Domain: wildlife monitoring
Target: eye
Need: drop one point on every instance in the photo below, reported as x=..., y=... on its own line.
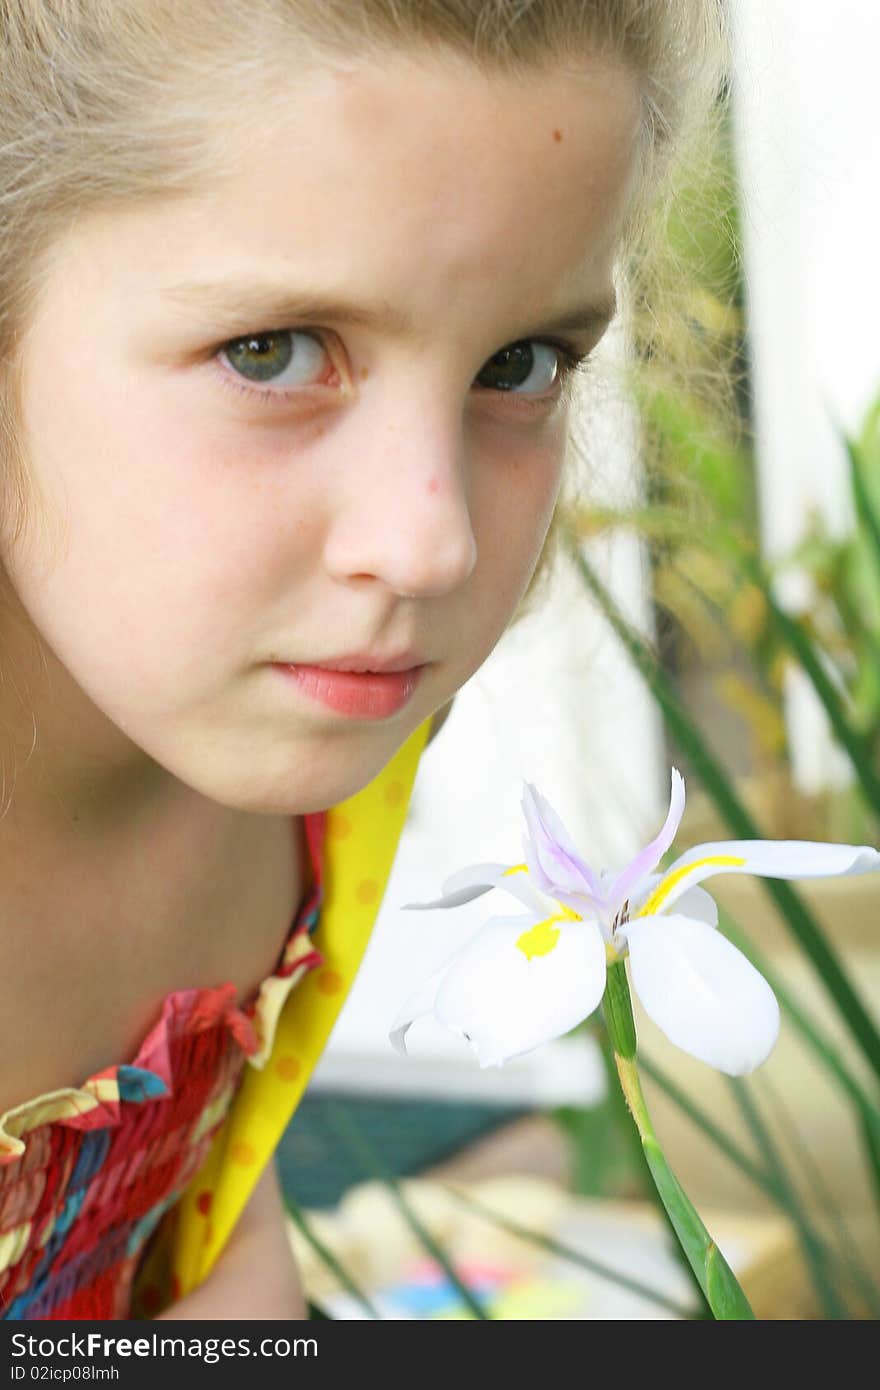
x=534, y=374
x=273, y=365
x=516, y=365
x=287, y=358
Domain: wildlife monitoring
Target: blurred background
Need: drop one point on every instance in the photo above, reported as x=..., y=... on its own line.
x=728, y=504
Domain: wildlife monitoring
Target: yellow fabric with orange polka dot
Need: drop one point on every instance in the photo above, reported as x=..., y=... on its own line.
x=360, y=843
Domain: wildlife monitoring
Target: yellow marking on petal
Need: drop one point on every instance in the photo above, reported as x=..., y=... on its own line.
x=666, y=885
x=565, y=911
x=611, y=953
x=540, y=939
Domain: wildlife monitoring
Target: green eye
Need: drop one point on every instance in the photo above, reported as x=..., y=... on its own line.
x=260, y=356
x=275, y=365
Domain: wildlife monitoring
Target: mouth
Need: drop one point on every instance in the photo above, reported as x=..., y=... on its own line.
x=358, y=693
x=362, y=663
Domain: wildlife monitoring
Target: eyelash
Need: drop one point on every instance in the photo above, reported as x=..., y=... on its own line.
x=571, y=360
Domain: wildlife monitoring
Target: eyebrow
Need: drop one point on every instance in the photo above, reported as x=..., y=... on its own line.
x=237, y=306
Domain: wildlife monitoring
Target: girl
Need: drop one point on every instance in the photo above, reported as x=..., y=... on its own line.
x=292, y=295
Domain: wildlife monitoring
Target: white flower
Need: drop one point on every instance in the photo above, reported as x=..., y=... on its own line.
x=524, y=979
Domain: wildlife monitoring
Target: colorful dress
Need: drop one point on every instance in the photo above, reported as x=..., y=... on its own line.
x=87, y=1173
x=118, y=1197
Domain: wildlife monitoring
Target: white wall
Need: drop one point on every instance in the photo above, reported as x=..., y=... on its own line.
x=806, y=129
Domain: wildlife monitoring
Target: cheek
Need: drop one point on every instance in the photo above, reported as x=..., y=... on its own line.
x=158, y=474
x=517, y=492
x=168, y=535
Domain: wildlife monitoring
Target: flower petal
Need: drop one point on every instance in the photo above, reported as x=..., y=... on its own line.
x=695, y=902
x=629, y=878
x=552, y=855
x=420, y=1002
x=519, y=983
x=584, y=904
x=465, y=885
x=702, y=992
x=769, y=858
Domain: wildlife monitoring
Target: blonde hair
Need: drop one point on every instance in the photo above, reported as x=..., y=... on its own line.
x=116, y=102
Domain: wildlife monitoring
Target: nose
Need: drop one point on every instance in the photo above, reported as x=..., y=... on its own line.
x=402, y=514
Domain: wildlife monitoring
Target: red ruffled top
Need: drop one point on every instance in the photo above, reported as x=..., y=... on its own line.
x=86, y=1173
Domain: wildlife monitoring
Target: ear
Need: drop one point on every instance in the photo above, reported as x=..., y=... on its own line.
x=439, y=719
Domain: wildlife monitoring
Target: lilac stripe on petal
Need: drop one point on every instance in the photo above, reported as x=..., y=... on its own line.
x=648, y=858
x=555, y=853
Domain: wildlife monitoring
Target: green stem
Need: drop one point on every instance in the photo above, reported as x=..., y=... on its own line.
x=715, y=1277
x=622, y=1119
x=617, y=1006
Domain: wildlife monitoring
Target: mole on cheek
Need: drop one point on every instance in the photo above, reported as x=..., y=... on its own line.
x=557, y=135
x=365, y=372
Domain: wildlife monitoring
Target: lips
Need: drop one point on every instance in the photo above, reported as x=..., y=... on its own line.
x=358, y=694
x=361, y=662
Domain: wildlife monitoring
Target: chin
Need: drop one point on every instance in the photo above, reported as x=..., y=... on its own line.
x=287, y=796
x=312, y=772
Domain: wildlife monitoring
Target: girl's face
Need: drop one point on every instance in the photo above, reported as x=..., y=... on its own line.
x=270, y=423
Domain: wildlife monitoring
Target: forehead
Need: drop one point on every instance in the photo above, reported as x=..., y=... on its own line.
x=430, y=186
x=446, y=160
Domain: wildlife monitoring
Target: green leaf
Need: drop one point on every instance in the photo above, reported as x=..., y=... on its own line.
x=601, y=1157
x=794, y=636
x=357, y=1144
x=566, y=1252
x=868, y=517
x=717, y=1280
x=298, y=1217
x=849, y=1260
x=315, y=1311
x=870, y=1127
x=814, y=1250
x=818, y=1041
x=726, y=1298
x=720, y=472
